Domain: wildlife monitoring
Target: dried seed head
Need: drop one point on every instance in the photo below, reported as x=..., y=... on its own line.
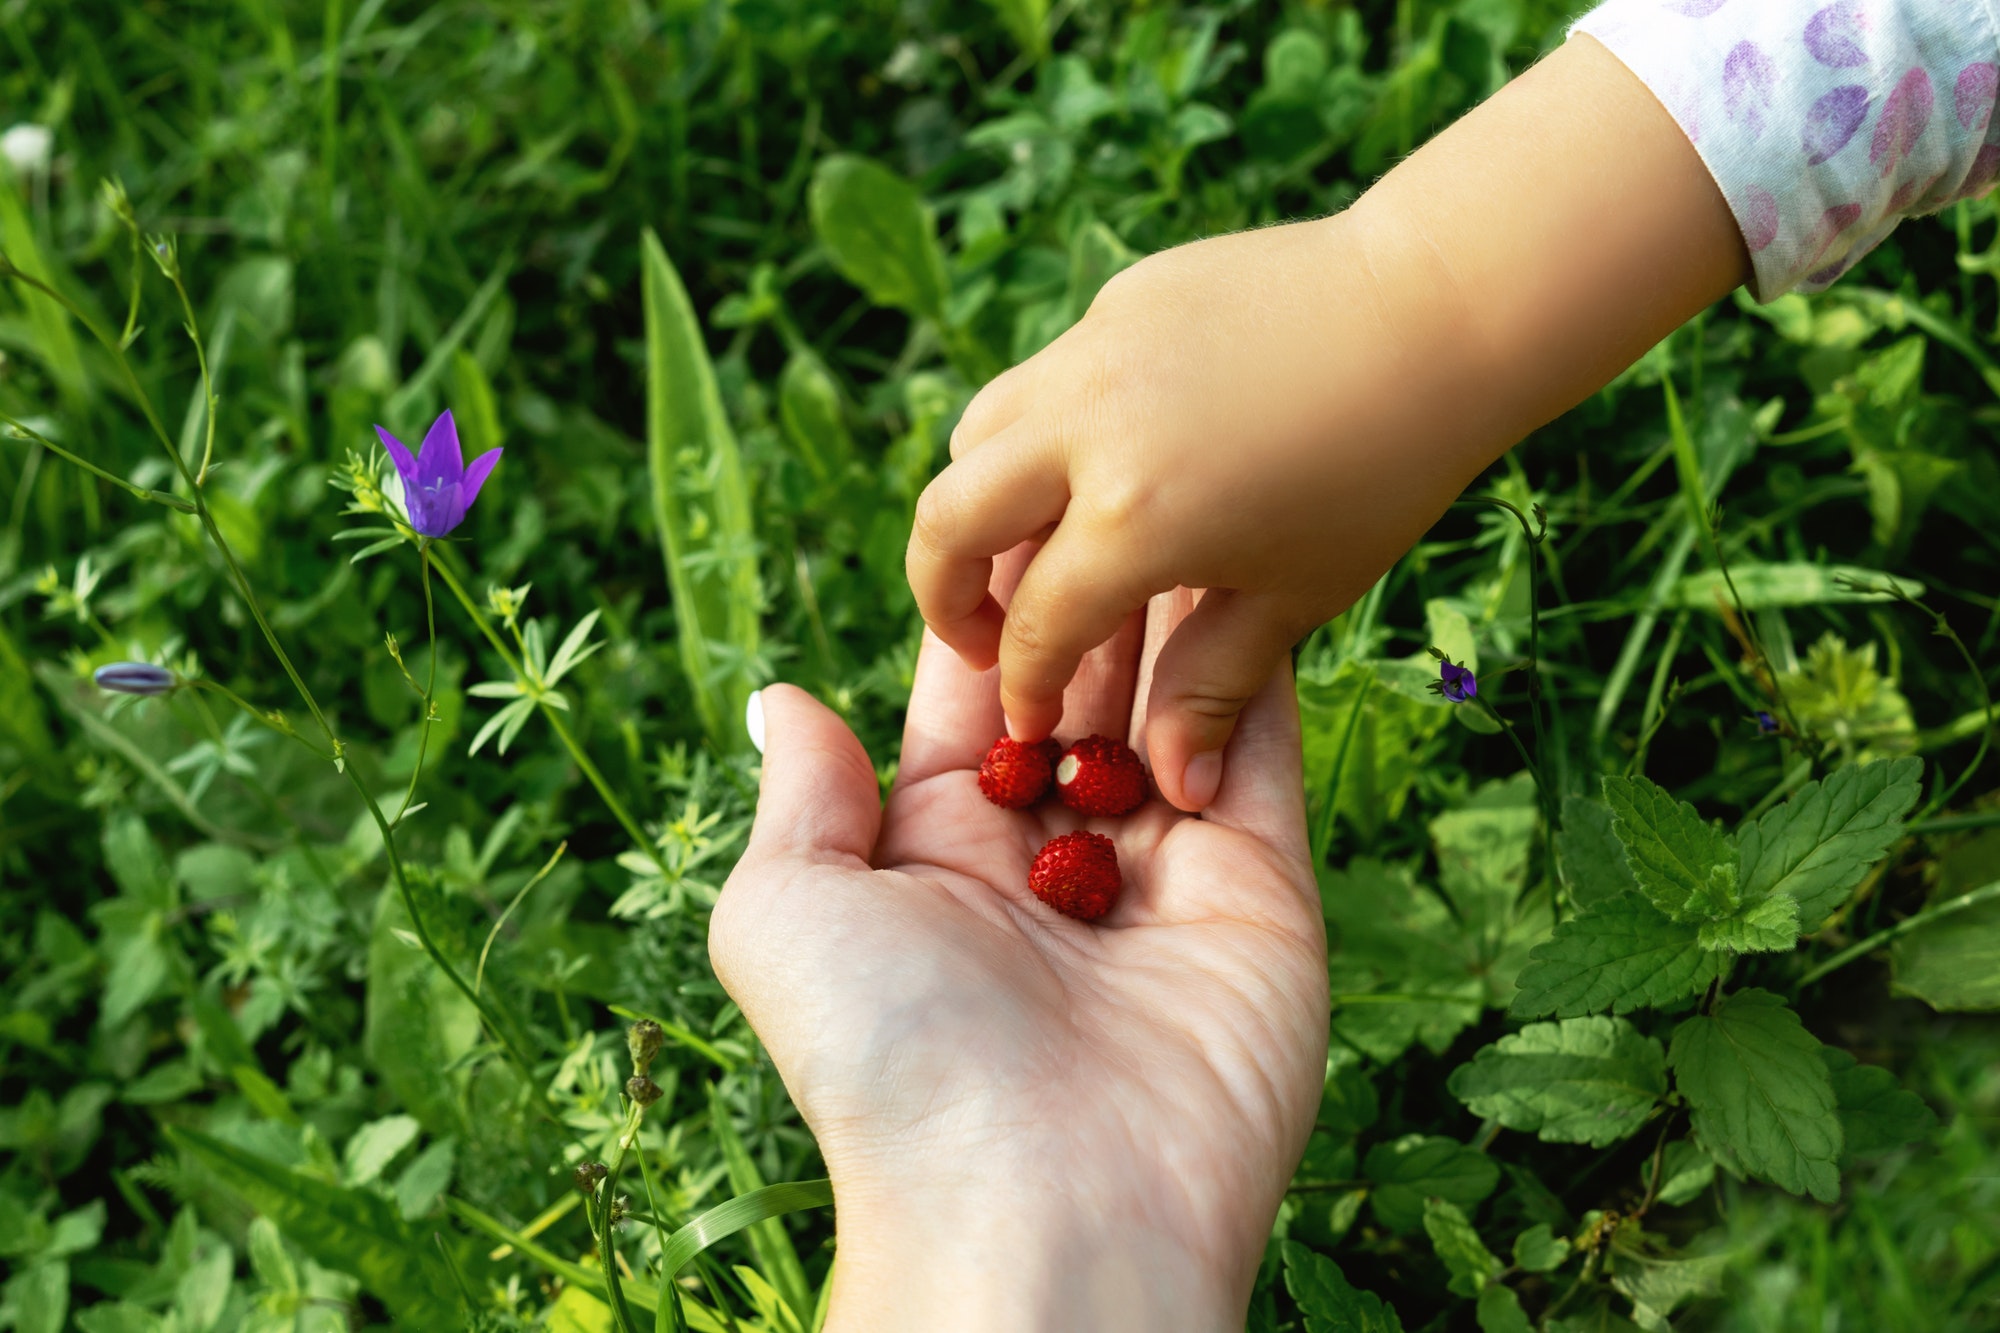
x=589, y=1175
x=642, y=1090
x=644, y=1039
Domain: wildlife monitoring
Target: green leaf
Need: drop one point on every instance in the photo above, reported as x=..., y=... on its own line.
x=1818, y=845
x=1764, y=586
x=1953, y=962
x=417, y=1024
x=38, y=1297
x=880, y=234
x=1599, y=1317
x=351, y=1230
x=1540, y=1250
x=1592, y=859
x=1684, y=866
x=1329, y=1303
x=375, y=1145
x=1397, y=938
x=1877, y=1113
x=1685, y=1171
x=135, y=862
x=268, y=1258
x=1760, y=1094
x=1766, y=927
x=745, y=1210
x=769, y=1240
x=426, y=1177
x=1658, y=1286
x=1499, y=1311
x=1457, y=1243
x=1583, y=1080
x=1408, y=1170
x=1482, y=856
x=809, y=410
x=701, y=506
x=123, y=1317
x=1618, y=955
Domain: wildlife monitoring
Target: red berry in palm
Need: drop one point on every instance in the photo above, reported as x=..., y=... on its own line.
x=1100, y=775
x=1014, y=775
x=1077, y=874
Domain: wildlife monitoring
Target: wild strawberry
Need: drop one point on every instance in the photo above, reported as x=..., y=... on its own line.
x=1100, y=775
x=1014, y=775
x=1077, y=874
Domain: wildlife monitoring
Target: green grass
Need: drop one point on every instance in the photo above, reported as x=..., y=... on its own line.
x=719, y=278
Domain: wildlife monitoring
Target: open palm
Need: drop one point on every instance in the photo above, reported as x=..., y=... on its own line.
x=953, y=1041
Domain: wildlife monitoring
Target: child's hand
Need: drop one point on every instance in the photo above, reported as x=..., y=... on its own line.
x=1278, y=415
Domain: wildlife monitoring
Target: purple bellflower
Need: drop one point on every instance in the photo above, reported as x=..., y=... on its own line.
x=141, y=678
x=438, y=485
x=1767, y=724
x=1456, y=683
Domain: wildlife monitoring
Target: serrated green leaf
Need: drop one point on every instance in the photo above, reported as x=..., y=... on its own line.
x=1684, y=865
x=1659, y=1286
x=1329, y=1302
x=1457, y=1243
x=1618, y=955
x=1499, y=1311
x=1877, y=1113
x=1408, y=1170
x=1582, y=1080
x=1760, y=1093
x=1540, y=1250
x=1685, y=1171
x=1592, y=859
x=1766, y=927
x=1818, y=845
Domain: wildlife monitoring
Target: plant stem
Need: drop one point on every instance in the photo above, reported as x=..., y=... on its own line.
x=138, y=492
x=430, y=688
x=1984, y=894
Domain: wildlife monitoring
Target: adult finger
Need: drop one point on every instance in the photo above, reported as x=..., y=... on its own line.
x=1263, y=788
x=1098, y=700
x=1214, y=663
x=1008, y=492
x=1074, y=596
x=819, y=801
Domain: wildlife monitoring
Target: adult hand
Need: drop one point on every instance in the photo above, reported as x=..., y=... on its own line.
x=1032, y=1122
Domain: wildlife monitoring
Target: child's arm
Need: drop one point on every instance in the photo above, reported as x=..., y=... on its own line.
x=1277, y=416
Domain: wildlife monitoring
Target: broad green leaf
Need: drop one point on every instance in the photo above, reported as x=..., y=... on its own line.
x=1540, y=1250
x=1408, y=1170
x=1592, y=859
x=1658, y=1286
x=1953, y=962
x=204, y=1289
x=1764, y=586
x=122, y=1317
x=1362, y=745
x=351, y=1230
x=1499, y=1311
x=426, y=1177
x=1482, y=856
x=1619, y=955
x=880, y=233
x=376, y=1144
x=1766, y=927
x=1818, y=845
x=1583, y=1080
x=136, y=863
x=1760, y=1094
x=1398, y=940
x=1457, y=1243
x=268, y=1258
x=1329, y=1302
x=38, y=1295
x=701, y=506
x=417, y=1024
x=1684, y=866
x=1348, y=1105
x=1877, y=1113
x=810, y=411
x=1685, y=1171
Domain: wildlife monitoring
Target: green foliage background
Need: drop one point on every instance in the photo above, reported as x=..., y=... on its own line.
x=720, y=277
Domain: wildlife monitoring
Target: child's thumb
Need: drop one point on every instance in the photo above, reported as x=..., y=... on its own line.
x=819, y=800
x=1209, y=669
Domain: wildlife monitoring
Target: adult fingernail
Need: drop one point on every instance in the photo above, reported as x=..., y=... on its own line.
x=753, y=719
x=1202, y=778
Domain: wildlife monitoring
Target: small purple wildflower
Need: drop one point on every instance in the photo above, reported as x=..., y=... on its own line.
x=1456, y=683
x=1766, y=724
x=134, y=678
x=438, y=485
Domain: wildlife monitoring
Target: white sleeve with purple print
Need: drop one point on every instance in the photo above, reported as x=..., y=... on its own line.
x=1825, y=124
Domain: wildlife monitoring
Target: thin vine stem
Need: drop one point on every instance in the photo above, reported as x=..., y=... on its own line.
x=1951, y=906
x=430, y=689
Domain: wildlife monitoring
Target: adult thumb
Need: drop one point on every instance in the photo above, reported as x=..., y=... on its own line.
x=819, y=800
x=1210, y=668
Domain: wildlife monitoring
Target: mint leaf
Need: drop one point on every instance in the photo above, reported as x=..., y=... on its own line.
x=1877, y=1113
x=1760, y=1093
x=1540, y=1250
x=1685, y=866
x=1767, y=927
x=1583, y=1080
x=1591, y=857
x=1457, y=1242
x=1416, y=1167
x=1819, y=844
x=1617, y=955
x=1329, y=1302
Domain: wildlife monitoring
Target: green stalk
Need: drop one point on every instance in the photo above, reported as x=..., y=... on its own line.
x=137, y=492
x=430, y=686
x=1984, y=894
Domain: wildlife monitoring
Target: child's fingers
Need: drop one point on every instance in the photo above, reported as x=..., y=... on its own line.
x=1215, y=663
x=993, y=409
x=1072, y=598
x=992, y=500
x=954, y=714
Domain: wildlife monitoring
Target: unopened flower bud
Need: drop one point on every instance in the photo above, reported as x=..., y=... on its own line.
x=644, y=1039
x=134, y=678
x=589, y=1175
x=642, y=1090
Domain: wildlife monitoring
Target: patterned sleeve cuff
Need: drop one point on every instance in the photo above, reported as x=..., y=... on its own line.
x=1825, y=125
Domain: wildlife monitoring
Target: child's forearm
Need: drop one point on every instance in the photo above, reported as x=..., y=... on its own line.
x=1562, y=228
